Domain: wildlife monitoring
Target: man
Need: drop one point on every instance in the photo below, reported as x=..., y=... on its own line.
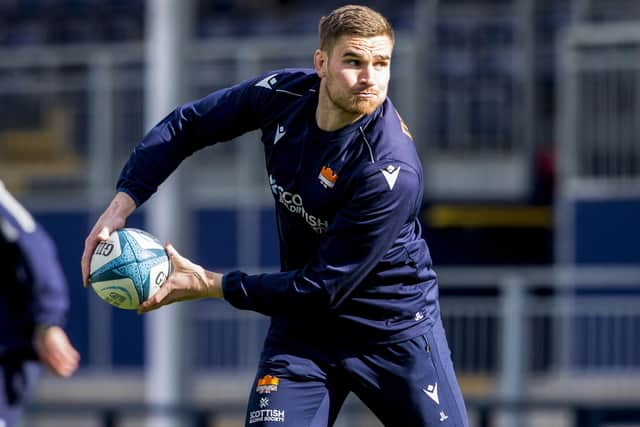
x=354, y=307
x=33, y=305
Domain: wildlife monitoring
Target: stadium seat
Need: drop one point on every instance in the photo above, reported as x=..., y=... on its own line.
x=38, y=154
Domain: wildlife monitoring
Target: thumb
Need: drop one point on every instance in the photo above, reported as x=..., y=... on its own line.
x=175, y=259
x=171, y=251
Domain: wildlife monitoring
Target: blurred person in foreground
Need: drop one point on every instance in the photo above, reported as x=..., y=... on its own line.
x=33, y=306
x=355, y=306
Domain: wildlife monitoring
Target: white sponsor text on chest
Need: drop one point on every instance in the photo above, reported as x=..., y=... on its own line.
x=293, y=203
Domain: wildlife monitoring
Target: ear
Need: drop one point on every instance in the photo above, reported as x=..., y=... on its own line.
x=320, y=60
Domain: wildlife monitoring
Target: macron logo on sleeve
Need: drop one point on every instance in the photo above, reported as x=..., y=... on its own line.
x=390, y=173
x=268, y=82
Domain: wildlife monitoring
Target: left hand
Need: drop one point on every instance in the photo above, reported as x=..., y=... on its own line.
x=56, y=351
x=187, y=281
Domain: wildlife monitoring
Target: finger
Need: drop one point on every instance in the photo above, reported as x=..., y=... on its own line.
x=104, y=233
x=68, y=364
x=174, y=256
x=84, y=267
x=175, y=259
x=149, y=305
x=52, y=359
x=85, y=262
x=67, y=353
x=63, y=367
x=158, y=299
x=65, y=360
x=73, y=354
x=171, y=251
x=89, y=246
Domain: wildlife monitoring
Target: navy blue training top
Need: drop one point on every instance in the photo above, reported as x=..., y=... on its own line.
x=354, y=266
x=33, y=290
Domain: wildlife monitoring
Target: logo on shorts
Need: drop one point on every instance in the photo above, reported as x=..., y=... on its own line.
x=267, y=384
x=265, y=415
x=280, y=131
x=432, y=392
x=264, y=402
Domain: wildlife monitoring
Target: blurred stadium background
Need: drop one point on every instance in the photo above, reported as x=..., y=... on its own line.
x=527, y=117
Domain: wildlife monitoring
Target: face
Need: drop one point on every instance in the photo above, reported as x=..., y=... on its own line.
x=356, y=73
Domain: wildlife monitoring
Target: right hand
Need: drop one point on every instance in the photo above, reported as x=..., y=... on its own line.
x=113, y=218
x=187, y=281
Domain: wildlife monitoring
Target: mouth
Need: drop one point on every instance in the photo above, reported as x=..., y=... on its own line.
x=366, y=95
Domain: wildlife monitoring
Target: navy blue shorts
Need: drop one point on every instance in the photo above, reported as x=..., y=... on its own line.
x=406, y=384
x=17, y=380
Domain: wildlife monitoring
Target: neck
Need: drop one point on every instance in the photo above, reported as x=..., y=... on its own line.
x=330, y=117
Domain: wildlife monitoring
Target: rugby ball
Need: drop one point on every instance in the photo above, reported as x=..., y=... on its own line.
x=128, y=268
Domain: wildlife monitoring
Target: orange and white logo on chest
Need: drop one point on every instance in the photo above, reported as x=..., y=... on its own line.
x=327, y=177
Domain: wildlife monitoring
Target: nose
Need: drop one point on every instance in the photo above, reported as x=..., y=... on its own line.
x=366, y=74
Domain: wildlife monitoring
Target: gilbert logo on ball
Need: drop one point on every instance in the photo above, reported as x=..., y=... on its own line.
x=128, y=268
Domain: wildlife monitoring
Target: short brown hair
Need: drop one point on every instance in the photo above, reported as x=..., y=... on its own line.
x=352, y=20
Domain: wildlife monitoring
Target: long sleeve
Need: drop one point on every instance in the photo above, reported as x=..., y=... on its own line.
x=33, y=262
x=357, y=240
x=218, y=117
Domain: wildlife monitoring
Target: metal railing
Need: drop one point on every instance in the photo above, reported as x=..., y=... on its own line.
x=483, y=414
x=599, y=98
x=523, y=339
x=476, y=304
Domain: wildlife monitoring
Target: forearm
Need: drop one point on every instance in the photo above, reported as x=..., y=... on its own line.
x=121, y=206
x=212, y=281
x=276, y=293
x=115, y=215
